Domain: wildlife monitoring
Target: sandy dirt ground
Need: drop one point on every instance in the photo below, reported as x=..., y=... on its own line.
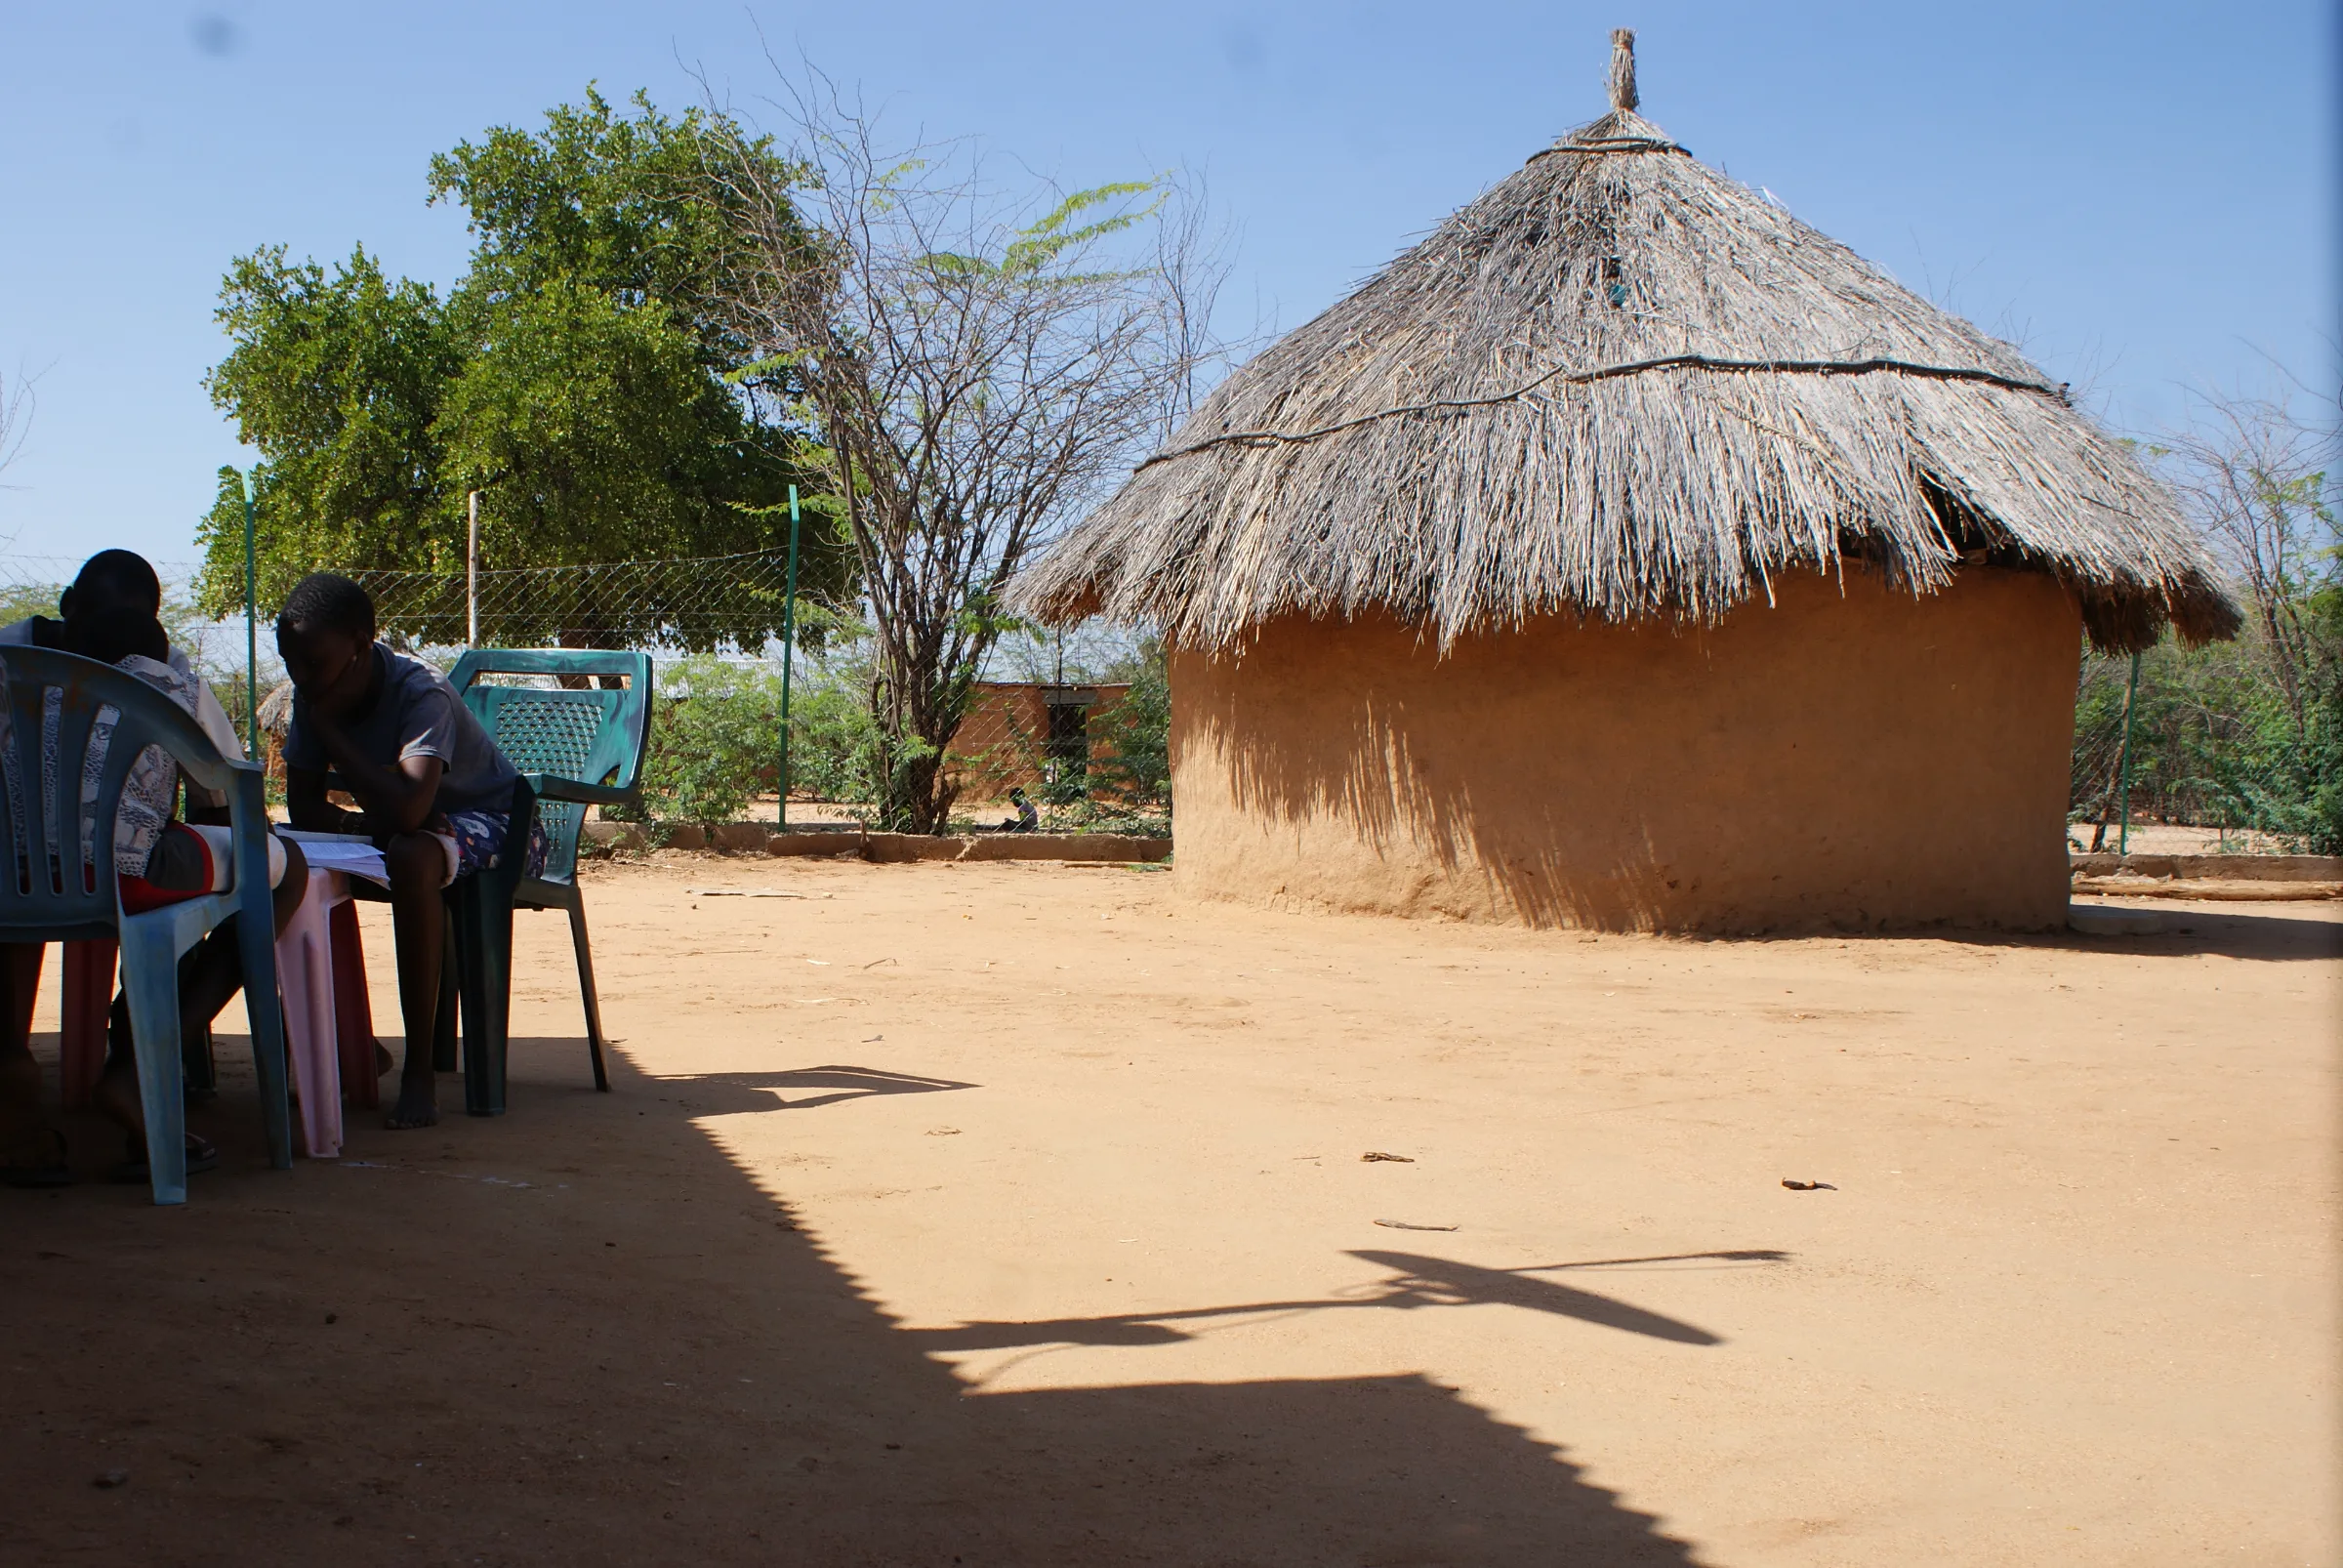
x=1017, y=1215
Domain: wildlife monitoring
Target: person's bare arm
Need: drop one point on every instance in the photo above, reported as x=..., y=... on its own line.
x=396, y=799
x=309, y=809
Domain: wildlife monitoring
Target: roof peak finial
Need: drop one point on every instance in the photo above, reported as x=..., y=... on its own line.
x=1623, y=69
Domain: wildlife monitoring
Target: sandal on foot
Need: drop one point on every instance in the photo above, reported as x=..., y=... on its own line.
x=54, y=1173
x=201, y=1157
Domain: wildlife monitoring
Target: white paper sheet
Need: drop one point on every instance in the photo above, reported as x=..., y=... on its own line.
x=344, y=852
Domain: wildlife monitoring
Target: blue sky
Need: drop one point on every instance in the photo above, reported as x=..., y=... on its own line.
x=2142, y=195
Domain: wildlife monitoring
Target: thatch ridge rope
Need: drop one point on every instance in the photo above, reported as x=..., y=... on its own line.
x=1617, y=144
x=1674, y=361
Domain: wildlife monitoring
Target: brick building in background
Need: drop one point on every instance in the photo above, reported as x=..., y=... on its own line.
x=1029, y=734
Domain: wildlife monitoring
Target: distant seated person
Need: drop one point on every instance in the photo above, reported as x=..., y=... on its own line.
x=111, y=615
x=117, y=587
x=1027, y=819
x=434, y=792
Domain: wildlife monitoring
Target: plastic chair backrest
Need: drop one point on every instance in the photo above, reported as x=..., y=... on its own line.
x=50, y=888
x=589, y=734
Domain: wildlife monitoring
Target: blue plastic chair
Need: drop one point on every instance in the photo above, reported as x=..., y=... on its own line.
x=50, y=890
x=575, y=746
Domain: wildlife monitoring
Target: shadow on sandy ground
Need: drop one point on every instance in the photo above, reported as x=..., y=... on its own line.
x=1416, y=1282
x=2188, y=928
x=2194, y=929
x=581, y=1334
x=737, y=1094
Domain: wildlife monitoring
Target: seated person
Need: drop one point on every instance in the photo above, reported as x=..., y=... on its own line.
x=117, y=584
x=158, y=861
x=1027, y=819
x=432, y=790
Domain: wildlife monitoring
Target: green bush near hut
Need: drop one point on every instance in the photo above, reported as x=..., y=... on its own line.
x=1131, y=742
x=711, y=741
x=2246, y=734
x=715, y=740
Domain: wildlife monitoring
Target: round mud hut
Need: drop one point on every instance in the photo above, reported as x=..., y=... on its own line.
x=1629, y=555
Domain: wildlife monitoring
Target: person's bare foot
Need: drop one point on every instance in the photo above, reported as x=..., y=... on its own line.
x=418, y=1104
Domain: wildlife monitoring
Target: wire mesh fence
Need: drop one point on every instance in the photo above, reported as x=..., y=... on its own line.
x=712, y=626
x=727, y=606
x=2206, y=750
x=705, y=604
x=2190, y=763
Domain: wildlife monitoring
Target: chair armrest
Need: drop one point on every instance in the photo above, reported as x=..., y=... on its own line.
x=552, y=787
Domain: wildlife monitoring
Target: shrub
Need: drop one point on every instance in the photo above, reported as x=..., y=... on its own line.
x=714, y=744
x=833, y=744
x=1131, y=750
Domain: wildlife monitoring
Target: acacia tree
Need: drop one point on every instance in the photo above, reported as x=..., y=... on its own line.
x=2252, y=470
x=974, y=363
x=576, y=377
x=2249, y=734
x=16, y=418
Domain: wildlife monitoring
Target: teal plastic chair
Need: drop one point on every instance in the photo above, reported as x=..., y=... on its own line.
x=53, y=890
x=575, y=746
x=475, y=964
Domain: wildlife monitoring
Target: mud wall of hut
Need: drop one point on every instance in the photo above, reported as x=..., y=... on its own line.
x=1848, y=758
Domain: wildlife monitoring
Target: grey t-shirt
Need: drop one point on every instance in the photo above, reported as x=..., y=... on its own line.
x=416, y=713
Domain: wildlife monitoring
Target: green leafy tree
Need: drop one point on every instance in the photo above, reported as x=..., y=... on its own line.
x=577, y=377
x=20, y=600
x=337, y=379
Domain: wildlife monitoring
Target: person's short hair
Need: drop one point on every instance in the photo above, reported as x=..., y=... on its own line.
x=114, y=580
x=326, y=602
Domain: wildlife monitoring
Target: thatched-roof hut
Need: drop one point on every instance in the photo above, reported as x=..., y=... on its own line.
x=1630, y=554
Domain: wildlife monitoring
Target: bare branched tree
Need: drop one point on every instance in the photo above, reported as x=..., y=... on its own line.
x=2255, y=473
x=979, y=363
x=15, y=417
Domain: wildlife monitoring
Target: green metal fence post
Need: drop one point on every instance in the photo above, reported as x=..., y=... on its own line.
x=252, y=640
x=789, y=643
x=2131, y=699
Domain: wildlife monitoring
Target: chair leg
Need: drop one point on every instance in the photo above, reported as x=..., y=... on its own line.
x=354, y=1009
x=151, y=983
x=443, y=1024
x=594, y=1005
x=485, y=935
x=89, y=993
x=304, y=971
x=256, y=945
x=200, y=1067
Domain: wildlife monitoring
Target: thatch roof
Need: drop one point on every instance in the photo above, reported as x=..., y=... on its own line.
x=1621, y=385
x=276, y=710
